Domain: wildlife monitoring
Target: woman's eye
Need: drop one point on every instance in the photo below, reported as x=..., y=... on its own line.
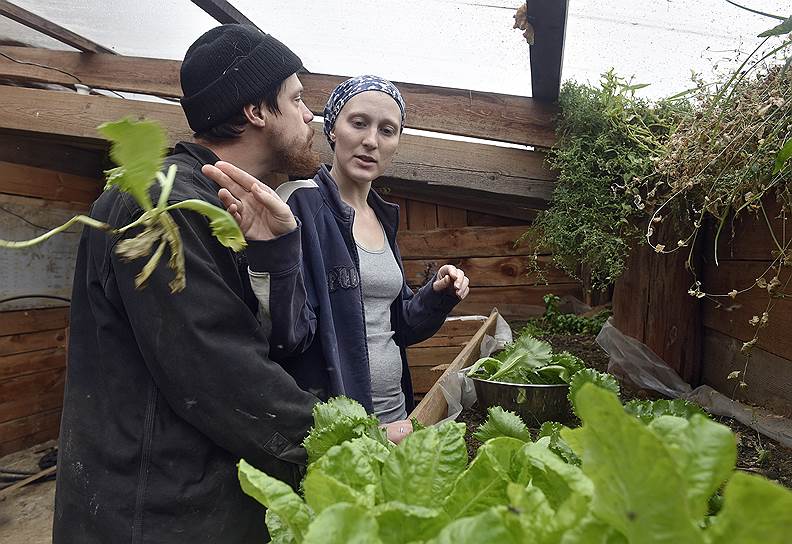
x=388, y=131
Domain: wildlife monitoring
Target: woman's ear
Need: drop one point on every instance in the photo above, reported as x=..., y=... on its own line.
x=332, y=136
x=255, y=115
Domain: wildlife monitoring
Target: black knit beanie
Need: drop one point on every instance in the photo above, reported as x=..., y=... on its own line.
x=228, y=67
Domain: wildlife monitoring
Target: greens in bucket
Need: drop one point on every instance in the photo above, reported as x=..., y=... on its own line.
x=527, y=361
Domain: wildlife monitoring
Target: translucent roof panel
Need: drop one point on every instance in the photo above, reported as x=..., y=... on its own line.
x=660, y=43
x=433, y=42
x=142, y=28
x=467, y=44
x=17, y=33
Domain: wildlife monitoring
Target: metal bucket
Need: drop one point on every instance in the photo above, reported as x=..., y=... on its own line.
x=535, y=404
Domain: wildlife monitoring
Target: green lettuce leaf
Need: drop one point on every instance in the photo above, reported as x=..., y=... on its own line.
x=705, y=453
x=276, y=496
x=648, y=410
x=343, y=524
x=279, y=532
x=502, y=422
x=399, y=522
x=638, y=488
x=551, y=430
x=488, y=526
x=755, y=511
x=422, y=469
x=589, y=375
x=483, y=484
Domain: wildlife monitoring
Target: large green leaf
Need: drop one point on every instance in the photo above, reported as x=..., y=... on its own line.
x=526, y=353
x=567, y=490
x=638, y=487
x=592, y=531
x=649, y=410
x=138, y=148
x=534, y=512
x=422, y=470
x=755, y=511
x=589, y=375
x=321, y=439
x=705, y=453
x=487, y=526
x=551, y=432
x=223, y=225
x=399, y=522
x=323, y=490
x=343, y=524
x=502, y=422
x=483, y=484
x=326, y=413
x=277, y=496
x=347, y=472
x=279, y=532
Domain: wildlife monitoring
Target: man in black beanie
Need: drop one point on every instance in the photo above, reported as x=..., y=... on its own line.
x=166, y=392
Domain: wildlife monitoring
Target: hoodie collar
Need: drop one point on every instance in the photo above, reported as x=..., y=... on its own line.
x=387, y=213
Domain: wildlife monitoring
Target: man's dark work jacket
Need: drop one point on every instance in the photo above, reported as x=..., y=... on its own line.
x=166, y=392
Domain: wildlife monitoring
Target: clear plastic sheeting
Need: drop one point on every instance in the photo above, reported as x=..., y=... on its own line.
x=457, y=388
x=633, y=362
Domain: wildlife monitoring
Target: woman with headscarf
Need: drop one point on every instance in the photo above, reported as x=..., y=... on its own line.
x=350, y=336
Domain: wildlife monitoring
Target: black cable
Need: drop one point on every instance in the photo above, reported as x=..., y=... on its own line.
x=20, y=297
x=12, y=59
x=6, y=210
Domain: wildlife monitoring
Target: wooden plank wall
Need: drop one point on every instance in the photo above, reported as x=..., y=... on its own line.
x=745, y=255
x=32, y=374
x=651, y=303
x=33, y=341
x=485, y=247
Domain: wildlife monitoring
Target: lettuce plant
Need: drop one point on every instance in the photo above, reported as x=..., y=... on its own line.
x=527, y=361
x=624, y=481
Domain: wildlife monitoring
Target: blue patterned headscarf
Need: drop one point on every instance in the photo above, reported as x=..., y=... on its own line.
x=349, y=88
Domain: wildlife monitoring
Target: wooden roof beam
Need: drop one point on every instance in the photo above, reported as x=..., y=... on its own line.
x=548, y=18
x=223, y=12
x=63, y=35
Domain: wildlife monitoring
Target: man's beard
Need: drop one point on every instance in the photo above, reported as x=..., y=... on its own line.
x=295, y=158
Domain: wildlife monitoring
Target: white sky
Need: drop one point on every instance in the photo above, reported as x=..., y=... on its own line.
x=455, y=43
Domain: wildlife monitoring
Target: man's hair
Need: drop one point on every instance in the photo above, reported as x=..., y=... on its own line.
x=234, y=126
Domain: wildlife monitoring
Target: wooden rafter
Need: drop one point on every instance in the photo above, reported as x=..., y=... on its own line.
x=223, y=12
x=500, y=176
x=491, y=116
x=548, y=18
x=31, y=20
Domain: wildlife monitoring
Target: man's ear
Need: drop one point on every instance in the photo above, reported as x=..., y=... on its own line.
x=255, y=115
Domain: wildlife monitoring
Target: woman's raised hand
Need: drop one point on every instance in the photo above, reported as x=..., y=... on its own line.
x=452, y=280
x=260, y=212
